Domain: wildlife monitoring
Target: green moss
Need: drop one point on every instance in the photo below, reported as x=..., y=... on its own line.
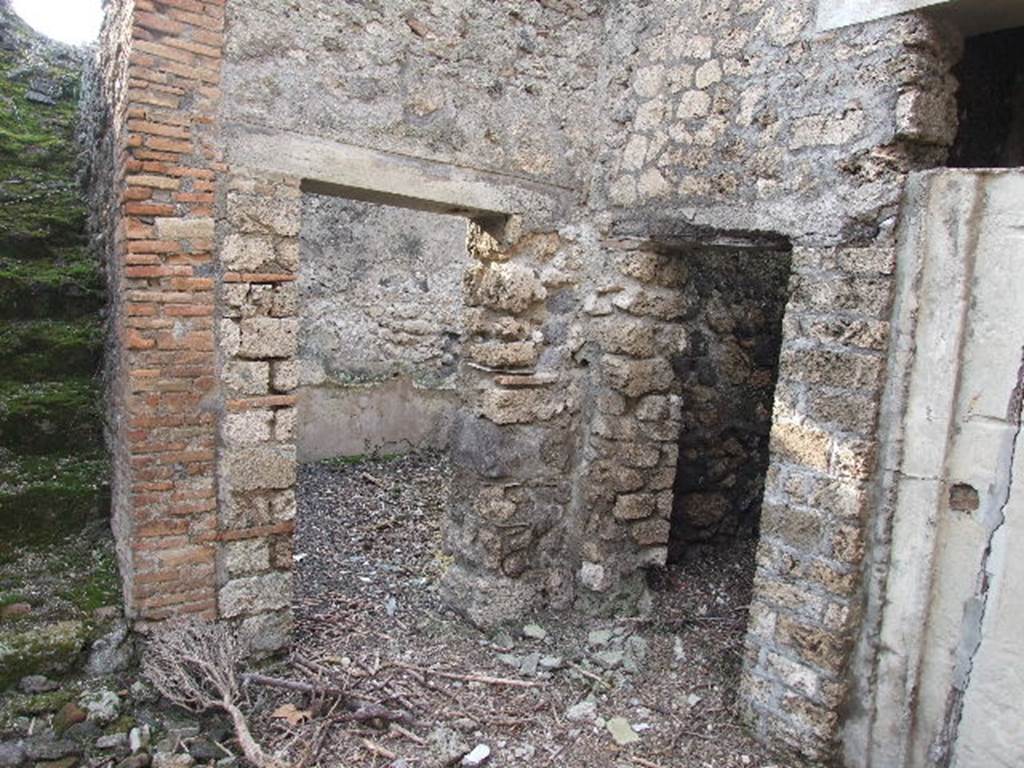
x=10, y=598
x=66, y=285
x=45, y=498
x=50, y=649
x=41, y=703
x=38, y=155
x=50, y=416
x=44, y=349
x=101, y=585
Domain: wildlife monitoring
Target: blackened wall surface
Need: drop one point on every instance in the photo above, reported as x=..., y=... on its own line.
x=728, y=374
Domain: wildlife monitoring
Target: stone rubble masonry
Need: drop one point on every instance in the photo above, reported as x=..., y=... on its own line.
x=163, y=280
x=691, y=119
x=815, y=505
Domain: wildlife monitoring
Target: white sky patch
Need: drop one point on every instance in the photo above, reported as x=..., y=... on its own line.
x=70, y=21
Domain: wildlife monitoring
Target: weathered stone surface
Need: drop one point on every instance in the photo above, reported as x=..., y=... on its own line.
x=268, y=337
x=255, y=595
x=264, y=467
x=508, y=287
x=634, y=378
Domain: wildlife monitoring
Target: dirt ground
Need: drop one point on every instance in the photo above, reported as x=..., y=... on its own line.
x=548, y=693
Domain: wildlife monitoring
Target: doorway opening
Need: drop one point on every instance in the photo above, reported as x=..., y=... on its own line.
x=726, y=373
x=380, y=322
x=990, y=102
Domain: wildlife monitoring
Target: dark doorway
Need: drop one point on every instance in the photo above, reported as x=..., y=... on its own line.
x=727, y=374
x=990, y=102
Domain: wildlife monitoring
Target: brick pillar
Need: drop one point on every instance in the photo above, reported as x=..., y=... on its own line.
x=164, y=391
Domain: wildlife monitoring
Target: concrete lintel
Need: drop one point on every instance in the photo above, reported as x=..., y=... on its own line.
x=973, y=17
x=833, y=14
x=344, y=170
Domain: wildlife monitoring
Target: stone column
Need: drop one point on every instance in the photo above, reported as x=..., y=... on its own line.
x=633, y=417
x=258, y=339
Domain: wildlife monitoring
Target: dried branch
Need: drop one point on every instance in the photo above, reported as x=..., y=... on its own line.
x=195, y=665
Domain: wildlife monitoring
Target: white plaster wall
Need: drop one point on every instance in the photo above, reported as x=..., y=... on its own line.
x=950, y=632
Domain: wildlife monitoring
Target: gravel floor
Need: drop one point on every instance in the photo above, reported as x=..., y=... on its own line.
x=370, y=621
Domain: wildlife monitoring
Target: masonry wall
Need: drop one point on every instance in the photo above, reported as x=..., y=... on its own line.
x=753, y=122
x=161, y=70
x=380, y=293
x=711, y=123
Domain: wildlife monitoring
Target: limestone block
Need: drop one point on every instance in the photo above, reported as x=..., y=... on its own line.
x=847, y=369
x=284, y=375
x=594, y=577
x=801, y=443
x=643, y=455
x=262, y=467
x=245, y=557
x=282, y=506
x=707, y=74
x=264, y=214
x=634, y=378
x=246, y=377
x=626, y=336
x=928, y=116
x=799, y=528
x=247, y=428
x=635, y=506
x=183, y=229
x=660, y=408
x=255, y=594
x=649, y=533
x=693, y=104
x=521, y=406
x=263, y=337
x=505, y=286
x=665, y=305
x=247, y=253
x=518, y=354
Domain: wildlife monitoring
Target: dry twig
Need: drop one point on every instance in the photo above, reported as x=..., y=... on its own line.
x=195, y=665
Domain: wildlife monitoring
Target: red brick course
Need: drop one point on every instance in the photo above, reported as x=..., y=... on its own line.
x=166, y=299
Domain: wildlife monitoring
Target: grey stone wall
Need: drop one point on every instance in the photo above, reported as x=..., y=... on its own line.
x=380, y=324
x=695, y=123
x=507, y=86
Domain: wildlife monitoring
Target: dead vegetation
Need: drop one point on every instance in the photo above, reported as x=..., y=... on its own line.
x=382, y=675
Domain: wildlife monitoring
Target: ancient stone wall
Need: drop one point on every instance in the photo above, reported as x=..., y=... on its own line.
x=711, y=123
x=380, y=292
x=508, y=87
x=744, y=119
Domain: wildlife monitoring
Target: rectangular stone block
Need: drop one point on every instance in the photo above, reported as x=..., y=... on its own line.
x=255, y=594
x=263, y=467
x=268, y=337
x=184, y=229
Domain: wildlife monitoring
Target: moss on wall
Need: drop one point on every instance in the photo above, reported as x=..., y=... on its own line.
x=52, y=466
